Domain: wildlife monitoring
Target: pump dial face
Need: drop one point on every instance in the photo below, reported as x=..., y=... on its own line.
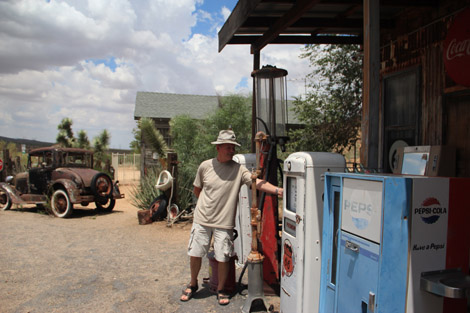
x=291, y=204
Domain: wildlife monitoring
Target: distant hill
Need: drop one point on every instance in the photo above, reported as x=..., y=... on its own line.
x=31, y=144
x=28, y=142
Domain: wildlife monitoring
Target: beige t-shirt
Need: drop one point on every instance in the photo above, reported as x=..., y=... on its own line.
x=220, y=184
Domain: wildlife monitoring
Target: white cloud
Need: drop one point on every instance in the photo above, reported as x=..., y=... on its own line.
x=225, y=12
x=50, y=64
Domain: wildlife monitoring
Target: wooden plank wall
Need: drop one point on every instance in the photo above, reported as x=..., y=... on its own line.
x=441, y=122
x=422, y=48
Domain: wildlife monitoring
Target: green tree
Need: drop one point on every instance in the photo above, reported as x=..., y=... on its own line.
x=152, y=137
x=135, y=144
x=65, y=136
x=331, y=109
x=145, y=193
x=100, y=147
x=191, y=139
x=82, y=140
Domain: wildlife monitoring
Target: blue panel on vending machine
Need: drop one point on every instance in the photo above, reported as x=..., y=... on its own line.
x=353, y=244
x=383, y=233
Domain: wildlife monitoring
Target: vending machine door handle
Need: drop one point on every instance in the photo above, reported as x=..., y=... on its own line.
x=371, y=302
x=352, y=246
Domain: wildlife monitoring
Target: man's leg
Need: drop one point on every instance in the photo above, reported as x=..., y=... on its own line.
x=223, y=248
x=195, y=266
x=199, y=242
x=223, y=269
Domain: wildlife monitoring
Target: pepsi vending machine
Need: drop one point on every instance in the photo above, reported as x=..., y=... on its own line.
x=395, y=244
x=302, y=228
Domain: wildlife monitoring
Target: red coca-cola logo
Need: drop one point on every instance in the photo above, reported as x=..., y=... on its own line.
x=457, y=49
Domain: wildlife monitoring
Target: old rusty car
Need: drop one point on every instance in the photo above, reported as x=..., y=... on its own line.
x=59, y=178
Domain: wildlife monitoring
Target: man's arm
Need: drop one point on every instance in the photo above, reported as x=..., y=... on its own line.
x=267, y=187
x=197, y=191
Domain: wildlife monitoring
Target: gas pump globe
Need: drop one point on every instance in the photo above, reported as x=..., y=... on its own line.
x=271, y=102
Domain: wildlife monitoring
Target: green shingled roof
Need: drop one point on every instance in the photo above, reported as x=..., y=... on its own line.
x=168, y=105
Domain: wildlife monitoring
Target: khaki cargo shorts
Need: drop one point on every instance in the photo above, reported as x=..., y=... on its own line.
x=200, y=240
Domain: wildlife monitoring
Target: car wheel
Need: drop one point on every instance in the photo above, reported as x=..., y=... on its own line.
x=60, y=203
x=158, y=208
x=5, y=200
x=105, y=206
x=102, y=186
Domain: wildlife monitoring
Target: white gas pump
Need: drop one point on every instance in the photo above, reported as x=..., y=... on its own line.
x=302, y=228
x=242, y=245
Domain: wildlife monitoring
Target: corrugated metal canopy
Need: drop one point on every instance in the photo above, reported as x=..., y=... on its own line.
x=262, y=22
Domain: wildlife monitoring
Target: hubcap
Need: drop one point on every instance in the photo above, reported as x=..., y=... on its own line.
x=103, y=186
x=60, y=204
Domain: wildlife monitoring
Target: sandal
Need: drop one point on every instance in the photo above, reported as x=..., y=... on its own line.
x=222, y=297
x=188, y=294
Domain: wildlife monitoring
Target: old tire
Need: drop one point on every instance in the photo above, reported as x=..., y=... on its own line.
x=158, y=208
x=102, y=187
x=60, y=204
x=105, y=206
x=5, y=200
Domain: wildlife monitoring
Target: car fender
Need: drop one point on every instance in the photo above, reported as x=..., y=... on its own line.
x=72, y=189
x=13, y=192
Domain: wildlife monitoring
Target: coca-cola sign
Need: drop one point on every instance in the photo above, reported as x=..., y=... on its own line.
x=457, y=49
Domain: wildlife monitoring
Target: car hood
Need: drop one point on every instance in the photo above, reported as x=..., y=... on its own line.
x=84, y=174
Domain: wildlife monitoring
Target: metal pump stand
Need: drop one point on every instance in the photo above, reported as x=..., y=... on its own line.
x=255, y=258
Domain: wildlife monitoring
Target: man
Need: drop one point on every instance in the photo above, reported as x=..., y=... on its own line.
x=216, y=186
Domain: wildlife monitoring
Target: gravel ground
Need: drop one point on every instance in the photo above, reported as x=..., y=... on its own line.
x=99, y=263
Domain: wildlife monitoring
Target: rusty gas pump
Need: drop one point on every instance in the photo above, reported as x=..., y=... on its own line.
x=255, y=258
x=271, y=113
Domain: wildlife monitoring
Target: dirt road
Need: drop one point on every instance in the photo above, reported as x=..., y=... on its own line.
x=98, y=263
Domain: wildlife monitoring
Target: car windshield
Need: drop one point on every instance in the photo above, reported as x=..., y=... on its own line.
x=41, y=160
x=74, y=159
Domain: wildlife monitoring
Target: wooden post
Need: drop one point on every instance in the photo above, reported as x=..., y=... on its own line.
x=371, y=86
x=172, y=167
x=256, y=66
x=7, y=165
x=2, y=173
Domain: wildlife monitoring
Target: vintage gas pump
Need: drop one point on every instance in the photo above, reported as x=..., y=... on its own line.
x=271, y=115
x=395, y=244
x=302, y=221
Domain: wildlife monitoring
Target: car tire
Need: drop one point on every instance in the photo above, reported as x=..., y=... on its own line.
x=102, y=187
x=107, y=206
x=158, y=208
x=5, y=200
x=60, y=204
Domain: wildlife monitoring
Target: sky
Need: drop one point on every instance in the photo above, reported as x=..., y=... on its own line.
x=87, y=59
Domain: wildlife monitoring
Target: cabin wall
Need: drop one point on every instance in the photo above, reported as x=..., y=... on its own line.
x=422, y=47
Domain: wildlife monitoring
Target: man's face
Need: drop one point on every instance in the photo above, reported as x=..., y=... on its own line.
x=225, y=152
